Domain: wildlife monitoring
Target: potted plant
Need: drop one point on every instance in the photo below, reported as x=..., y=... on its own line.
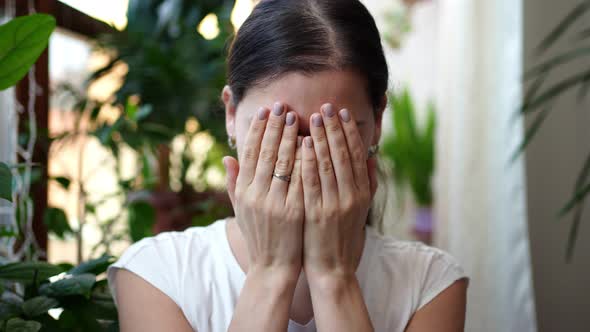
x=411, y=152
x=174, y=74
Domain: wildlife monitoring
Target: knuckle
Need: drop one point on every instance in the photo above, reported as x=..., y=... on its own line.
x=332, y=127
x=341, y=154
x=274, y=124
x=267, y=155
x=358, y=153
x=249, y=153
x=282, y=165
x=325, y=166
x=311, y=183
x=320, y=138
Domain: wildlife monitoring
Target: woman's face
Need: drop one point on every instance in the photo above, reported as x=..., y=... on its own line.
x=305, y=95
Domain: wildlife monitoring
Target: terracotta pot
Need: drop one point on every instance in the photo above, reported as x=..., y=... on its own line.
x=175, y=211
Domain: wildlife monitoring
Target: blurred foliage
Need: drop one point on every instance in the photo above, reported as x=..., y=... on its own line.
x=83, y=300
x=410, y=150
x=174, y=75
x=539, y=99
x=172, y=69
x=397, y=23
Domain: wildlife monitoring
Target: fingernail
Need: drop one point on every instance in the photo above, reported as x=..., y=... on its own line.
x=290, y=119
x=345, y=115
x=317, y=121
x=309, y=142
x=262, y=113
x=225, y=163
x=299, y=141
x=277, y=109
x=329, y=110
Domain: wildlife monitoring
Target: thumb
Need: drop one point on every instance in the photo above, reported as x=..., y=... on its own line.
x=232, y=168
x=372, y=170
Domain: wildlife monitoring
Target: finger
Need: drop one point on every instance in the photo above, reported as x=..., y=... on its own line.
x=338, y=150
x=286, y=156
x=250, y=151
x=324, y=162
x=295, y=192
x=232, y=168
x=269, y=147
x=356, y=147
x=312, y=188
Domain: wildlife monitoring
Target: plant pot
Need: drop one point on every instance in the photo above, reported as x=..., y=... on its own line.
x=424, y=224
x=177, y=211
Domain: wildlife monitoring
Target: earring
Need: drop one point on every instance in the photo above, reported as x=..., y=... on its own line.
x=231, y=141
x=373, y=151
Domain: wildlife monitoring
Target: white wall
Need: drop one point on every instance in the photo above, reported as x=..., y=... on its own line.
x=555, y=157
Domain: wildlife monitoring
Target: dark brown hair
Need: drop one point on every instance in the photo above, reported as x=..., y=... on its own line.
x=307, y=36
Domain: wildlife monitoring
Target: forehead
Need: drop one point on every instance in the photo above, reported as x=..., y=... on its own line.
x=305, y=94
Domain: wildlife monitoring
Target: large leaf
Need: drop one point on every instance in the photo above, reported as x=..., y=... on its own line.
x=72, y=285
x=10, y=307
x=20, y=325
x=22, y=40
x=95, y=266
x=28, y=271
x=5, y=182
x=38, y=305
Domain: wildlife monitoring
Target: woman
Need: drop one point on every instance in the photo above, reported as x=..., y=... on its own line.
x=305, y=96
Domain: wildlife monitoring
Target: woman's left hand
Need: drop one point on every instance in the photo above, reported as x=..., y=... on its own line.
x=338, y=184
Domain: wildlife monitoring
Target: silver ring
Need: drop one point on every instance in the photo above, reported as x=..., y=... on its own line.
x=286, y=178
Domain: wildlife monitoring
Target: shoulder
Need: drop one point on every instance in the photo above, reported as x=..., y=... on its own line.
x=420, y=271
x=161, y=260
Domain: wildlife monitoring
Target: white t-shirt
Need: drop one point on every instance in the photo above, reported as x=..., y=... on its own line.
x=198, y=271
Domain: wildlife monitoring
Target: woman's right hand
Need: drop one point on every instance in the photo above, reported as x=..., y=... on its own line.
x=269, y=211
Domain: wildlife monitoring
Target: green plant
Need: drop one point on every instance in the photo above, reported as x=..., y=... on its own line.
x=22, y=40
x=83, y=300
x=539, y=99
x=171, y=67
x=409, y=149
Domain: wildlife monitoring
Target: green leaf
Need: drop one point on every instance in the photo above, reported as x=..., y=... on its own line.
x=20, y=325
x=9, y=308
x=564, y=25
x=141, y=218
x=38, y=306
x=73, y=285
x=25, y=271
x=5, y=182
x=557, y=61
x=531, y=132
x=578, y=198
x=22, y=40
x=63, y=181
x=95, y=266
x=57, y=222
x=554, y=91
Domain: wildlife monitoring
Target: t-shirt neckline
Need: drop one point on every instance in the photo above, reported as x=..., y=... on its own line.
x=237, y=269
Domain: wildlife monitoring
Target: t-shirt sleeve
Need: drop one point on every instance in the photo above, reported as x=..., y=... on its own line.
x=441, y=271
x=152, y=259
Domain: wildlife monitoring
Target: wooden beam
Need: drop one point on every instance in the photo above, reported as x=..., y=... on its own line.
x=67, y=17
x=38, y=191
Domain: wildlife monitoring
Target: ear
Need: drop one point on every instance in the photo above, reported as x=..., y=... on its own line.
x=379, y=120
x=230, y=111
